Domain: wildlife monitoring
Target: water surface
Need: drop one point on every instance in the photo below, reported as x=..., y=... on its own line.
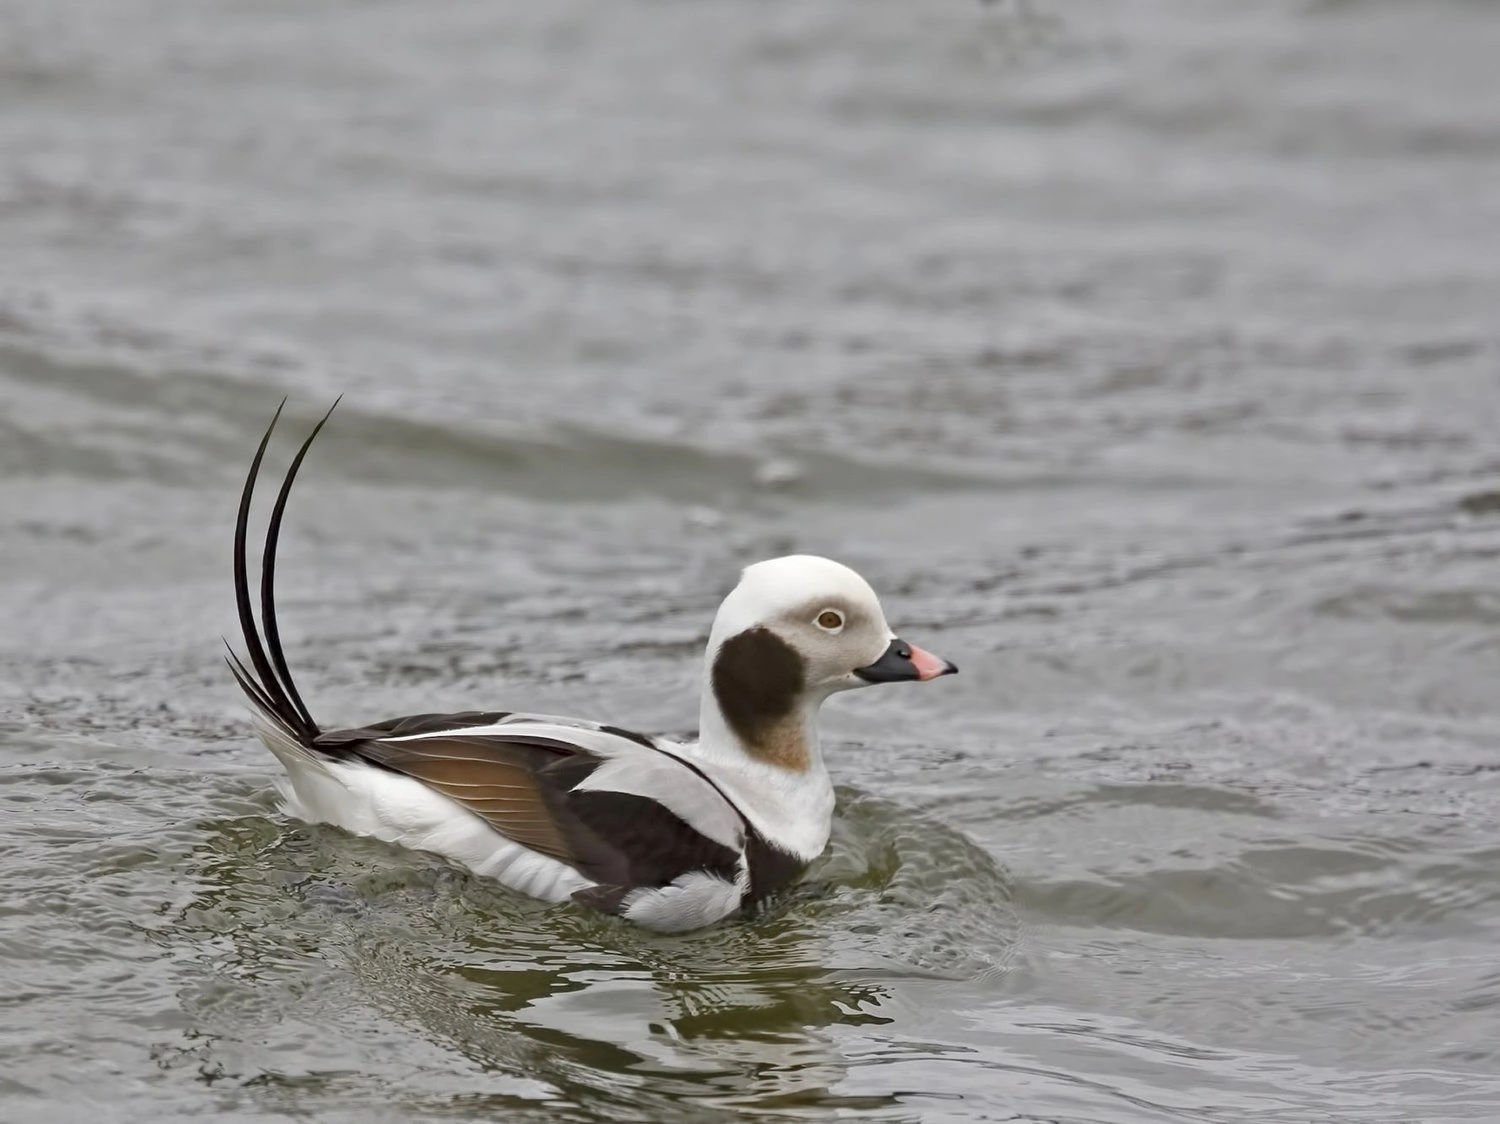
x=1142, y=354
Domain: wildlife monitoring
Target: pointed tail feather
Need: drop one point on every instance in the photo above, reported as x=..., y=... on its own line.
x=268, y=681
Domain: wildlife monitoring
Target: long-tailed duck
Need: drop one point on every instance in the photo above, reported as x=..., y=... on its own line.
x=670, y=836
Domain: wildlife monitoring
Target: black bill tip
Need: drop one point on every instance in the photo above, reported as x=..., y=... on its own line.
x=903, y=662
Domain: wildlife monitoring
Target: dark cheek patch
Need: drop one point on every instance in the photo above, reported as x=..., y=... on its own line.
x=757, y=680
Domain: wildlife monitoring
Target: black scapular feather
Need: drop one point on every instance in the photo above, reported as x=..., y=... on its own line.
x=270, y=686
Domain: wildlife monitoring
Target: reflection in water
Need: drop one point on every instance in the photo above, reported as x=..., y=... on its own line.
x=569, y=1008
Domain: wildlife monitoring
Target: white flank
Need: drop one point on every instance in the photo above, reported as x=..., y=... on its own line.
x=364, y=800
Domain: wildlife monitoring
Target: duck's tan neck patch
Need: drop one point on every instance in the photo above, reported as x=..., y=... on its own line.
x=758, y=681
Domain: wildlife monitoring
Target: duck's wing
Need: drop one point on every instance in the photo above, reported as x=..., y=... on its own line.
x=608, y=803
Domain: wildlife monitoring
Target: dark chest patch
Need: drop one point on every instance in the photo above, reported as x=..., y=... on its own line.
x=635, y=841
x=771, y=868
x=757, y=679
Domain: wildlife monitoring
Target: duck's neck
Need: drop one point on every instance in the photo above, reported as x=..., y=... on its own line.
x=776, y=777
x=788, y=744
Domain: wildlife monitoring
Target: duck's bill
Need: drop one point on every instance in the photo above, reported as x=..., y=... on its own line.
x=905, y=662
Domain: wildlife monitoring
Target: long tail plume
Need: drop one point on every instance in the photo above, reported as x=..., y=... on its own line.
x=269, y=686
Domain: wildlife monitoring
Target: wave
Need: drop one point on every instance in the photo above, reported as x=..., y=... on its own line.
x=108, y=418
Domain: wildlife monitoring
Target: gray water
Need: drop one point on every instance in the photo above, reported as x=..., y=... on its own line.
x=1143, y=355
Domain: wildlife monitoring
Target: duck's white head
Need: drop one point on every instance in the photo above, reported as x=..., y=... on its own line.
x=794, y=631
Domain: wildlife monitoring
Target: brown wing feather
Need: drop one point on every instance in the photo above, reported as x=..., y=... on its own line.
x=526, y=787
x=512, y=784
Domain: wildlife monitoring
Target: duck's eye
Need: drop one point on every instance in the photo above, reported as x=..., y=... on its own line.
x=831, y=620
